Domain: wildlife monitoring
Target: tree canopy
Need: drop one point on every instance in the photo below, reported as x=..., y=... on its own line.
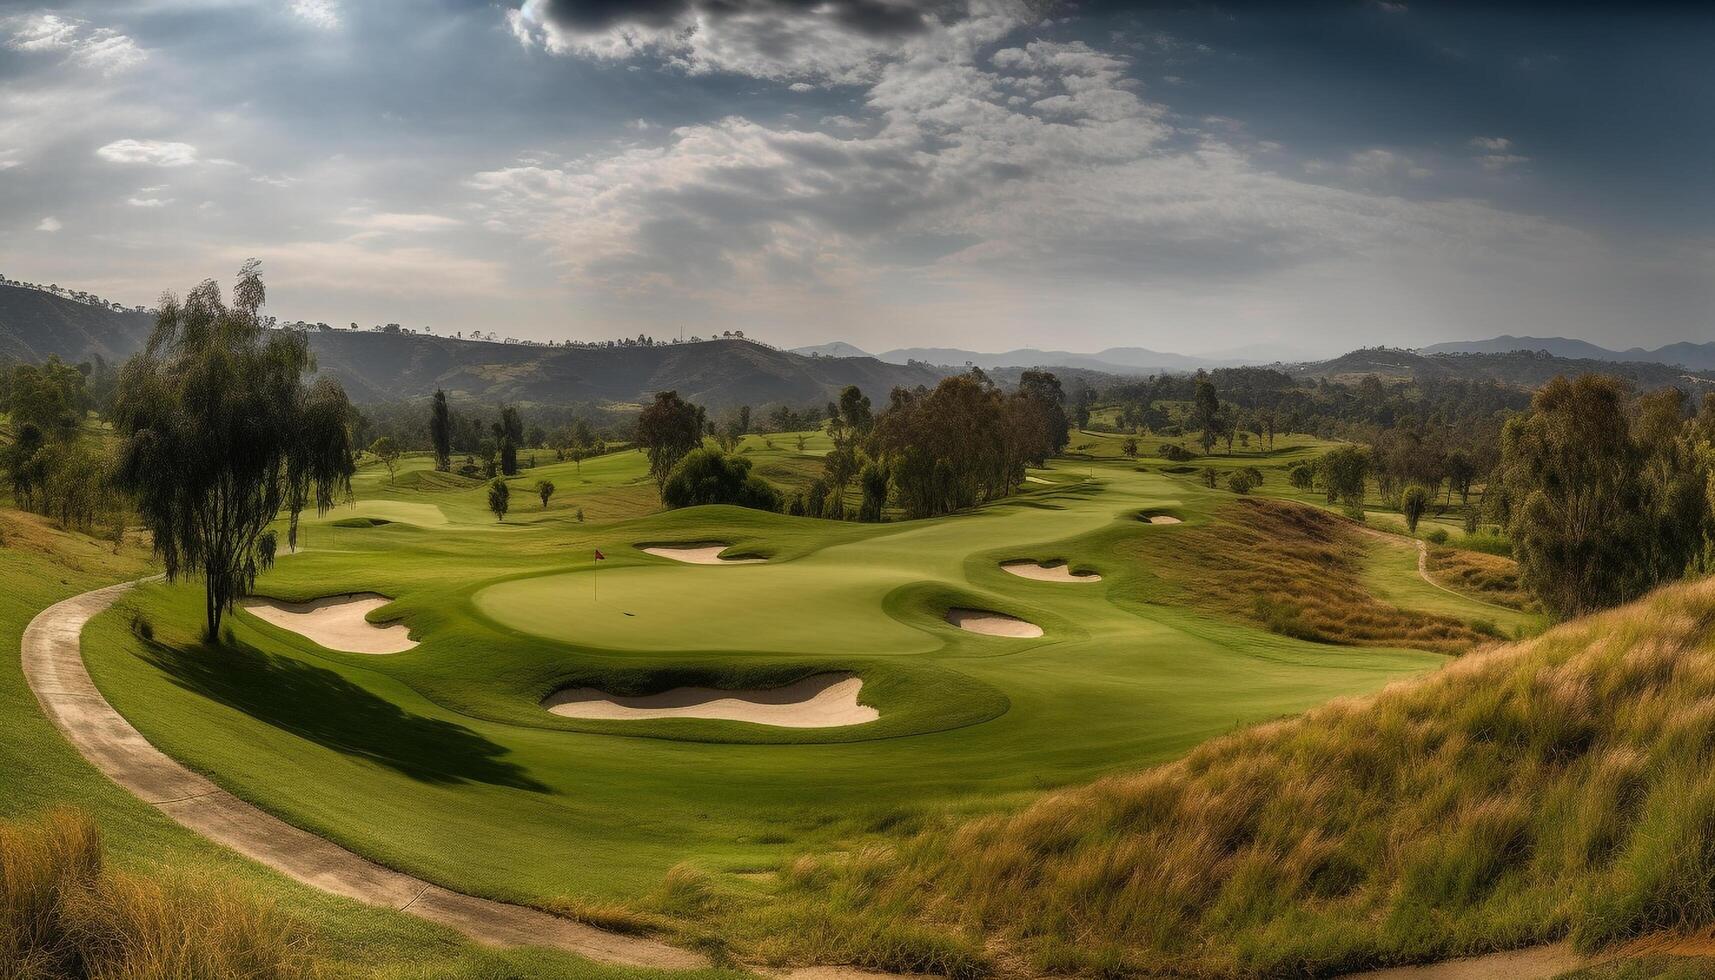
x=710, y=476
x=221, y=432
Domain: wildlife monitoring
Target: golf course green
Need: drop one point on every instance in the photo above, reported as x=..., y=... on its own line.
x=443, y=761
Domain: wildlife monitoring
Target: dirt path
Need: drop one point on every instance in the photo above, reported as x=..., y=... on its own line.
x=53, y=667
x=1423, y=571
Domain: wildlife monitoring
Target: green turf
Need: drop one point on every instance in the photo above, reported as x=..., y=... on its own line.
x=40, y=770
x=440, y=761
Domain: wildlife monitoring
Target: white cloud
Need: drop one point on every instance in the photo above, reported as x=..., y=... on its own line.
x=816, y=42
x=323, y=14
x=373, y=223
x=148, y=202
x=1497, y=155
x=154, y=153
x=49, y=223
x=99, y=48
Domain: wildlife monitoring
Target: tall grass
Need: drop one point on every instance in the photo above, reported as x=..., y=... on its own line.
x=65, y=914
x=1563, y=786
x=1492, y=578
x=1295, y=570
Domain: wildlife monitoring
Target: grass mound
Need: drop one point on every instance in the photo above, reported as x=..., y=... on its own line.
x=361, y=522
x=434, y=480
x=64, y=914
x=1297, y=571
x=1557, y=787
x=1491, y=578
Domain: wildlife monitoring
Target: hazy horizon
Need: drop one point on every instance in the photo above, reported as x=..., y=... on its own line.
x=979, y=174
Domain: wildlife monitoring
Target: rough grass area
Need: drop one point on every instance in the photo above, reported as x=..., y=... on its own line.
x=1491, y=578
x=65, y=914
x=1296, y=570
x=1560, y=787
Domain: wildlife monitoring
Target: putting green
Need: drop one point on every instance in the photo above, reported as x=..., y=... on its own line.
x=443, y=762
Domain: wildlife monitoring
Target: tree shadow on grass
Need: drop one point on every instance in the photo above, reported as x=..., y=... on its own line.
x=318, y=704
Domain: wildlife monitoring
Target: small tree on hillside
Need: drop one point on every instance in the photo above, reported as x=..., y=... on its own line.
x=499, y=498
x=874, y=483
x=220, y=434
x=1129, y=447
x=387, y=451
x=544, y=489
x=508, y=436
x=1413, y=503
x=441, y=431
x=1344, y=473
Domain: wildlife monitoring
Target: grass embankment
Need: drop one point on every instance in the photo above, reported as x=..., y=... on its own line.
x=66, y=915
x=155, y=868
x=1491, y=578
x=1559, y=787
x=1295, y=570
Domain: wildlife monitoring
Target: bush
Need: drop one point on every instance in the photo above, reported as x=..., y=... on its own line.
x=1436, y=536
x=1210, y=474
x=1173, y=452
x=1243, y=481
x=65, y=915
x=710, y=476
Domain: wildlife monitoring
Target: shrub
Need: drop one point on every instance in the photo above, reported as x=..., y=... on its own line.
x=65, y=915
x=1173, y=452
x=1242, y=481
x=1436, y=535
x=1210, y=474
x=710, y=476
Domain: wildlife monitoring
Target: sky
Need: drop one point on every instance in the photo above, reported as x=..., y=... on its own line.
x=1236, y=179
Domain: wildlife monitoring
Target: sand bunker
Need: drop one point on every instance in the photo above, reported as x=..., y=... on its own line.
x=992, y=623
x=701, y=554
x=1057, y=571
x=817, y=701
x=1158, y=519
x=336, y=622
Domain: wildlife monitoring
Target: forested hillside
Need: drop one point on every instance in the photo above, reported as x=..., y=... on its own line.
x=380, y=366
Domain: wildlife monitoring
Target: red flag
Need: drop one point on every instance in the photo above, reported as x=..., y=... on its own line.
x=599, y=556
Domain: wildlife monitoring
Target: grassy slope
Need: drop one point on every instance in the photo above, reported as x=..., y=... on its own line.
x=438, y=762
x=39, y=770
x=1560, y=786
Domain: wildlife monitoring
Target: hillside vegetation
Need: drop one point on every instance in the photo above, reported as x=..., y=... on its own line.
x=35, y=326
x=1560, y=787
x=1294, y=569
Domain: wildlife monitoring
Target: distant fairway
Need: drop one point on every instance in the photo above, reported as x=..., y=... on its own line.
x=443, y=761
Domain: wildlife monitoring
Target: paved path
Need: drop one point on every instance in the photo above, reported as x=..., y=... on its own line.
x=53, y=666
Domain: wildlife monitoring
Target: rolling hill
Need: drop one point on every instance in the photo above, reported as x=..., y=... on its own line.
x=377, y=367
x=1524, y=368
x=1699, y=357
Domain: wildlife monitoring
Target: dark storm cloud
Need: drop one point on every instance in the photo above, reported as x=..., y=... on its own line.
x=871, y=18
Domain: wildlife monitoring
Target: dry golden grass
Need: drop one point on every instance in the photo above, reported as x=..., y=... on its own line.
x=1294, y=569
x=63, y=914
x=1491, y=578
x=1563, y=786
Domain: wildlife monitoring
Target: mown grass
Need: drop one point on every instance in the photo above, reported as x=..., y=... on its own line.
x=160, y=866
x=1559, y=787
x=1295, y=570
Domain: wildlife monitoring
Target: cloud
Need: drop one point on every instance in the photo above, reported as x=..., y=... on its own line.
x=154, y=153
x=148, y=202
x=832, y=41
x=323, y=14
x=99, y=48
x=395, y=222
x=49, y=223
x=1498, y=156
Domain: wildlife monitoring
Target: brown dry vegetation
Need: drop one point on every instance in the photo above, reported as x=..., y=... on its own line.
x=1491, y=578
x=64, y=914
x=1563, y=786
x=1294, y=569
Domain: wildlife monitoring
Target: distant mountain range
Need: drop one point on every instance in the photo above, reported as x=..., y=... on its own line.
x=1114, y=360
x=1699, y=357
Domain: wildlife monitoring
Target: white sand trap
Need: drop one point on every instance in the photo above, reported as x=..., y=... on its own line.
x=992, y=623
x=1037, y=479
x=702, y=554
x=1057, y=571
x=336, y=622
x=817, y=701
x=1162, y=519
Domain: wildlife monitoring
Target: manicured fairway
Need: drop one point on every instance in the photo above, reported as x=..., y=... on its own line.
x=442, y=761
